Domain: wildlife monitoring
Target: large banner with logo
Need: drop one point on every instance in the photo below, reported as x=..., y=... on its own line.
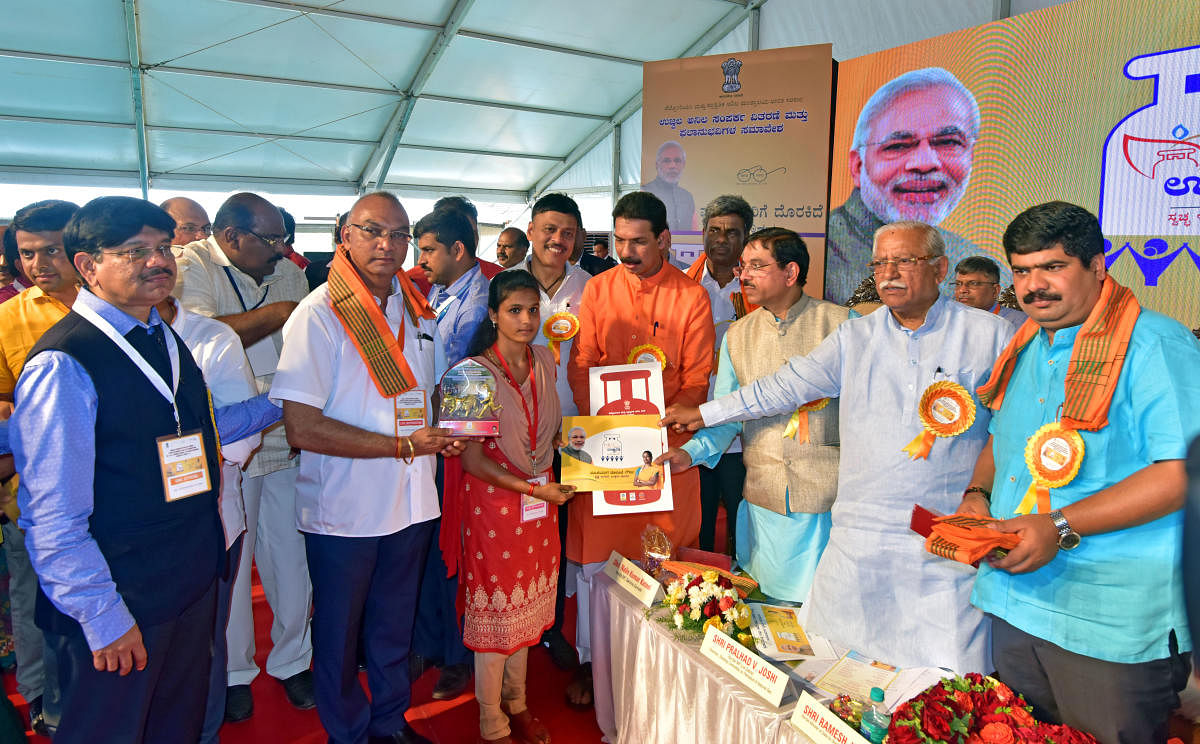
x=754, y=124
x=1095, y=102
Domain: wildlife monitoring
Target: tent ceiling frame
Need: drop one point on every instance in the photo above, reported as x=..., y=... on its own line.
x=133, y=42
x=612, y=124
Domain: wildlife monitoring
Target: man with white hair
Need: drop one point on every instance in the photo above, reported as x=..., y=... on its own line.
x=910, y=160
x=892, y=370
x=669, y=162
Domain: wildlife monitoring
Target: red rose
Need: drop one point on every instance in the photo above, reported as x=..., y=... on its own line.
x=903, y=734
x=997, y=733
x=987, y=718
x=1021, y=716
x=935, y=722
x=1068, y=735
x=724, y=582
x=693, y=583
x=684, y=609
x=964, y=701
x=710, y=608
x=1004, y=693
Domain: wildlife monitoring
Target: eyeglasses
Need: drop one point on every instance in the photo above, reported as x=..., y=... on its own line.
x=904, y=263
x=204, y=230
x=973, y=284
x=140, y=253
x=945, y=145
x=758, y=268
x=275, y=241
x=375, y=233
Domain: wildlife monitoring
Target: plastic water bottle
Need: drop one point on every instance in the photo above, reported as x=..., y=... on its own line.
x=875, y=720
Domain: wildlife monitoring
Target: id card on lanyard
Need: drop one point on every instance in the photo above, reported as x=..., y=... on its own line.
x=534, y=508
x=263, y=356
x=181, y=458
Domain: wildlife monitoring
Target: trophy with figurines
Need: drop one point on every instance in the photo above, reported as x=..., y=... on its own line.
x=469, y=405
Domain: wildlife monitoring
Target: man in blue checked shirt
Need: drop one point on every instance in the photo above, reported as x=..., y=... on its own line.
x=114, y=437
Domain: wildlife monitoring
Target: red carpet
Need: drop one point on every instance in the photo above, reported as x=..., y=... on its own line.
x=275, y=721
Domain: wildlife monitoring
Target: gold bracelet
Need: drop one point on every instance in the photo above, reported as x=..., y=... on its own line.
x=397, y=456
x=412, y=451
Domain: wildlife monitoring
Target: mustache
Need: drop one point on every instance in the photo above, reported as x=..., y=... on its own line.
x=631, y=261
x=1040, y=295
x=892, y=284
x=153, y=273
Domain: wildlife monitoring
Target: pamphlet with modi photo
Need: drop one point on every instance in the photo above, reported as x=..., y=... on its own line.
x=613, y=457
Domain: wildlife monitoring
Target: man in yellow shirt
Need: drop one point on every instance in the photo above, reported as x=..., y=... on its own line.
x=37, y=230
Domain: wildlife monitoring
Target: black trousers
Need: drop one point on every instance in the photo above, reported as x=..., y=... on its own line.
x=1116, y=703
x=162, y=703
x=720, y=485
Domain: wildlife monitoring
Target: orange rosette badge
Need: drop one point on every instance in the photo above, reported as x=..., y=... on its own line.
x=797, y=426
x=946, y=410
x=648, y=353
x=1053, y=455
x=560, y=327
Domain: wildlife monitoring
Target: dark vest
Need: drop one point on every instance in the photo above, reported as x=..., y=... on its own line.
x=162, y=556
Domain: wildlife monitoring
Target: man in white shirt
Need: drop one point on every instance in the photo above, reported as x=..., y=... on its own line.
x=366, y=498
x=219, y=354
x=240, y=277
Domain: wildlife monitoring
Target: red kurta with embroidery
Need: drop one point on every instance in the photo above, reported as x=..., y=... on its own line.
x=508, y=569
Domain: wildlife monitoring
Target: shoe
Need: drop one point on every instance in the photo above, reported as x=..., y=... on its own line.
x=452, y=682
x=299, y=689
x=561, y=652
x=239, y=703
x=417, y=665
x=37, y=721
x=405, y=735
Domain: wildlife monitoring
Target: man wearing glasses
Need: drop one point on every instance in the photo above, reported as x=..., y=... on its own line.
x=116, y=443
x=910, y=159
x=238, y=275
x=790, y=476
x=977, y=283
x=876, y=589
x=191, y=221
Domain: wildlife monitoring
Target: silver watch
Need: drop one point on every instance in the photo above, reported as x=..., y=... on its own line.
x=1068, y=539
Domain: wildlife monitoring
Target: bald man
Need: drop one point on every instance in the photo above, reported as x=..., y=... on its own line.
x=239, y=276
x=511, y=247
x=191, y=221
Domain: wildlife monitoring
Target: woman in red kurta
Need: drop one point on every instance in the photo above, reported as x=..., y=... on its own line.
x=508, y=565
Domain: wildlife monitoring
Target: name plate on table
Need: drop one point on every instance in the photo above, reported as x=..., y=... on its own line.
x=763, y=679
x=644, y=587
x=820, y=723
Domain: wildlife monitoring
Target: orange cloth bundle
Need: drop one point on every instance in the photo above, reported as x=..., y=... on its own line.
x=967, y=539
x=743, y=584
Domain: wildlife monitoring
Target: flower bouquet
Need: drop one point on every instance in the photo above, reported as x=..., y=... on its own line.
x=697, y=602
x=975, y=710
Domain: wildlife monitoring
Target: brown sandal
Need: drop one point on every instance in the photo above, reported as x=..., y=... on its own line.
x=527, y=728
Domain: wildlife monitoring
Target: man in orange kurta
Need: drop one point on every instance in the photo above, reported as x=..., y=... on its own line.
x=648, y=305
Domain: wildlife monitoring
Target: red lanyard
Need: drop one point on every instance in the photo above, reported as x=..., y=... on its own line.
x=532, y=420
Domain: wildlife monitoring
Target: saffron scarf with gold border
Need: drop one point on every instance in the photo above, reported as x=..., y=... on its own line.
x=741, y=306
x=1096, y=359
x=365, y=323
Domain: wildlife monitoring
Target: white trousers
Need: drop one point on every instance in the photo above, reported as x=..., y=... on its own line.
x=274, y=543
x=583, y=601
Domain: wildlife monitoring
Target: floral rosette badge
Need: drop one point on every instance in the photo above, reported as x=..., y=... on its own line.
x=946, y=410
x=797, y=426
x=648, y=353
x=1053, y=455
x=697, y=602
x=558, y=329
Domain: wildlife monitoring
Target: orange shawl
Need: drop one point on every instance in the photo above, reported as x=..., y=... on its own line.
x=1096, y=359
x=367, y=327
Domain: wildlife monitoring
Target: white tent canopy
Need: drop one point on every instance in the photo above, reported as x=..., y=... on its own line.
x=499, y=100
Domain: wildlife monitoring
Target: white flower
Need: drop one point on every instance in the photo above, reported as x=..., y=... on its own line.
x=678, y=619
x=695, y=614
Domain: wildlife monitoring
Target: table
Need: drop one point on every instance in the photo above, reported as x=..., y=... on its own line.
x=651, y=686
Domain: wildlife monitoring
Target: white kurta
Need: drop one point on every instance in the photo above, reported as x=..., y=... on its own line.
x=876, y=589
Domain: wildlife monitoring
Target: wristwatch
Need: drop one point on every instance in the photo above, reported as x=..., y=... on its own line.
x=1068, y=539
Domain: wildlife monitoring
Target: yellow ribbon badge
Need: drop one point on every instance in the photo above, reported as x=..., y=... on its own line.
x=797, y=426
x=946, y=410
x=558, y=328
x=648, y=353
x=1053, y=455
